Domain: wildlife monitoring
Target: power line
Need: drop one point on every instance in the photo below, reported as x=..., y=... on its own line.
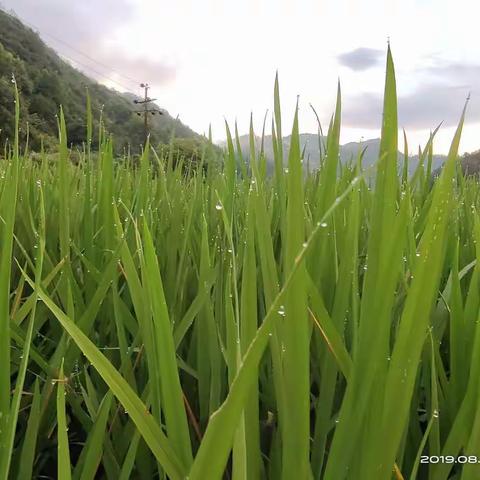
x=108, y=67
x=145, y=102
x=100, y=74
x=76, y=50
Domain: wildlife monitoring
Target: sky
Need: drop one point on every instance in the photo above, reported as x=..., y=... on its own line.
x=216, y=60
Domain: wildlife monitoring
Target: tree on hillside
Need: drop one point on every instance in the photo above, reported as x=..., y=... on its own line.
x=471, y=163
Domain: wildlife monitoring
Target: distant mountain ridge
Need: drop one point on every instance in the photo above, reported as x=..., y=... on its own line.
x=46, y=81
x=309, y=144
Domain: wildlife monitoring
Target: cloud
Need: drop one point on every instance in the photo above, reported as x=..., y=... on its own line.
x=454, y=73
x=439, y=97
x=88, y=21
x=84, y=42
x=154, y=72
x=361, y=58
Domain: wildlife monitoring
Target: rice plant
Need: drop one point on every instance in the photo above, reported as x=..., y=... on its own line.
x=165, y=319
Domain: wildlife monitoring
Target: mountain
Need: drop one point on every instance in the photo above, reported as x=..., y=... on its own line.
x=46, y=81
x=310, y=145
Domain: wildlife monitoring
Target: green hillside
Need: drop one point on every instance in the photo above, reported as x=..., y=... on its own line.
x=46, y=81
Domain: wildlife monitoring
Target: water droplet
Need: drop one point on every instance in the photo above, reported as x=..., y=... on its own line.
x=218, y=206
x=281, y=310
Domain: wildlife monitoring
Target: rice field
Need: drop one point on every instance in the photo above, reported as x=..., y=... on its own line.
x=163, y=319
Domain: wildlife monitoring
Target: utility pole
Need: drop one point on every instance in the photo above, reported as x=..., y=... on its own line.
x=146, y=110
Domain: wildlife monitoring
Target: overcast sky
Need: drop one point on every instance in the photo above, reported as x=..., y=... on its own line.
x=217, y=59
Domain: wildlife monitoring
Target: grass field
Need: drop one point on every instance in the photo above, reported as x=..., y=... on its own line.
x=207, y=321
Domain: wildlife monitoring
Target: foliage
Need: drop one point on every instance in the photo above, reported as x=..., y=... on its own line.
x=471, y=163
x=189, y=152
